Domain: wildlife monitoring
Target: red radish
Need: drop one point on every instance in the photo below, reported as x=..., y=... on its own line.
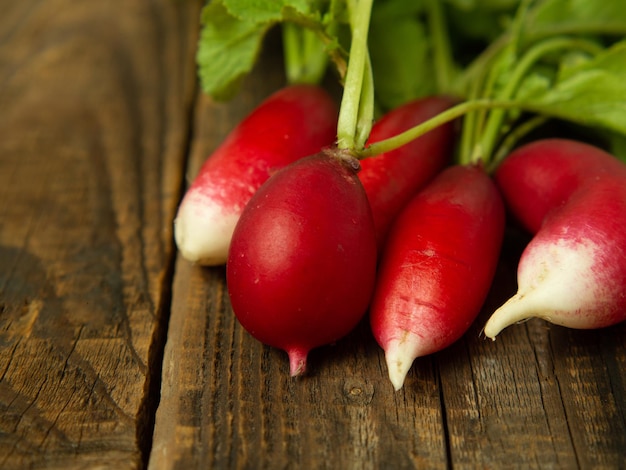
x=294, y=122
x=302, y=262
x=392, y=178
x=572, y=196
x=437, y=267
x=542, y=175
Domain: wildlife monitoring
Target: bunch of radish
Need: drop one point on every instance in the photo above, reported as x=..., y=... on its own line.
x=324, y=214
x=302, y=265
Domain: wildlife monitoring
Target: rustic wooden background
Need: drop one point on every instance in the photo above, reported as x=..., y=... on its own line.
x=116, y=353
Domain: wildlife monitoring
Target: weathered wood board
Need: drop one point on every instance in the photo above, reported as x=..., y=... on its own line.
x=95, y=100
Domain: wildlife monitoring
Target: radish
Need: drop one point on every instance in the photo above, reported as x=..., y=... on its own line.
x=437, y=267
x=542, y=175
x=390, y=179
x=302, y=262
x=572, y=197
x=294, y=122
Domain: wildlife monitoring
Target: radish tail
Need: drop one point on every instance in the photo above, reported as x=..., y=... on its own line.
x=297, y=361
x=517, y=309
x=399, y=356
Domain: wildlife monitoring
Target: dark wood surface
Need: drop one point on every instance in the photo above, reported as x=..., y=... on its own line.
x=117, y=353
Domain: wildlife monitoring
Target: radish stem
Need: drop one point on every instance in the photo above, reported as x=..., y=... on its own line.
x=291, y=52
x=444, y=64
x=513, y=137
x=305, y=55
x=366, y=106
x=455, y=112
x=470, y=123
x=349, y=115
x=494, y=123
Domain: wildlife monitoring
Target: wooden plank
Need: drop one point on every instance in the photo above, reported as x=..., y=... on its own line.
x=95, y=100
x=591, y=366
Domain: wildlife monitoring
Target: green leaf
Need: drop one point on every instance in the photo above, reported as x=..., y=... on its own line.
x=401, y=51
x=260, y=11
x=400, y=73
x=553, y=17
x=228, y=49
x=233, y=33
x=535, y=84
x=592, y=93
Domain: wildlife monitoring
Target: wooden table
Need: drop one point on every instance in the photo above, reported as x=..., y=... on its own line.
x=117, y=353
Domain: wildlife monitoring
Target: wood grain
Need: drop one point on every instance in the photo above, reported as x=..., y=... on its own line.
x=95, y=100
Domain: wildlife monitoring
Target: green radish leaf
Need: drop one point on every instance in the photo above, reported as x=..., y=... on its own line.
x=400, y=73
x=592, y=93
x=233, y=31
x=610, y=61
x=536, y=84
x=227, y=50
x=554, y=17
x=265, y=10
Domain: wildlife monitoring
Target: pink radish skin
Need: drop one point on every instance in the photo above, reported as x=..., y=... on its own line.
x=437, y=267
x=392, y=178
x=302, y=262
x=572, y=196
x=294, y=122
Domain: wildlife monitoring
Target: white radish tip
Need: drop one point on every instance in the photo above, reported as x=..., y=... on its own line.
x=515, y=310
x=399, y=362
x=397, y=374
x=491, y=329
